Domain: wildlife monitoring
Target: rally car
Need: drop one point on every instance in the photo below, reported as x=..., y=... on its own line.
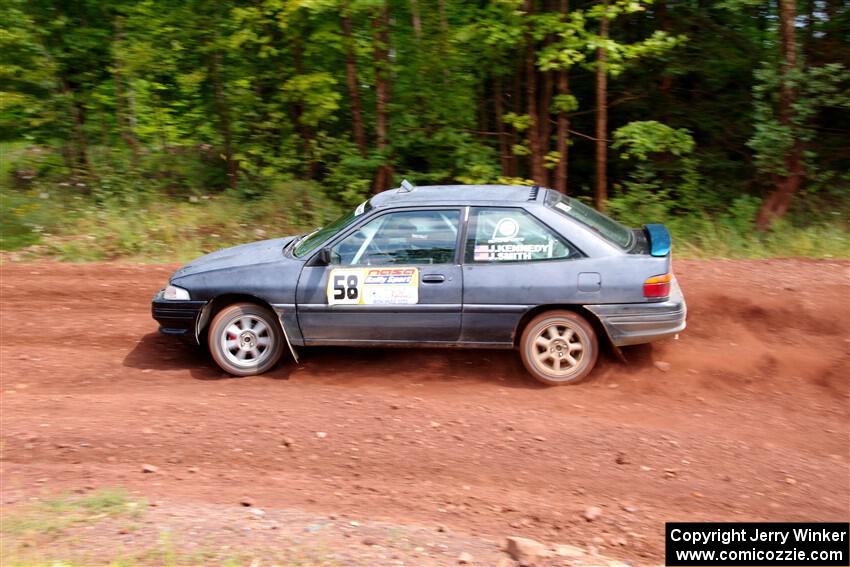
x=458, y=265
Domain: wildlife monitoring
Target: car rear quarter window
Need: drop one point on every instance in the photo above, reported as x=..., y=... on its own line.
x=603, y=225
x=405, y=237
x=500, y=235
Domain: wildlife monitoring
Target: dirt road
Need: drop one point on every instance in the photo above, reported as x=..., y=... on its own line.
x=745, y=417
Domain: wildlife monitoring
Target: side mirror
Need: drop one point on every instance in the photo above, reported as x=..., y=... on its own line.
x=323, y=258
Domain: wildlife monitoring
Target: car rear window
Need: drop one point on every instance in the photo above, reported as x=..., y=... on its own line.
x=605, y=226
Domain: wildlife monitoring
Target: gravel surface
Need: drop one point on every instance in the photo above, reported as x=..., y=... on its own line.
x=745, y=417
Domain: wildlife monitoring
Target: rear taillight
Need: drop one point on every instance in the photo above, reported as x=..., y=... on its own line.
x=657, y=286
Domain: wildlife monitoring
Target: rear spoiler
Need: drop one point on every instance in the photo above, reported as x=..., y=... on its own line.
x=659, y=239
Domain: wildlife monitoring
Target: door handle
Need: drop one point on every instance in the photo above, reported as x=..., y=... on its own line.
x=433, y=278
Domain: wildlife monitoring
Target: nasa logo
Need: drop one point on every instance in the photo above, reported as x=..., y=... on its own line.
x=391, y=272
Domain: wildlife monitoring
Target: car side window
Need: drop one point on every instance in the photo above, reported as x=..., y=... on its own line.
x=405, y=237
x=501, y=235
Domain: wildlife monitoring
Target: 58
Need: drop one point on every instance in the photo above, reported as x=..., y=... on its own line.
x=346, y=287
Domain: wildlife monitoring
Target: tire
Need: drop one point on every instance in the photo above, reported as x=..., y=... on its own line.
x=554, y=338
x=245, y=339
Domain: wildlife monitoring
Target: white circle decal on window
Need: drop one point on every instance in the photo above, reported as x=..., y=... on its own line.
x=506, y=228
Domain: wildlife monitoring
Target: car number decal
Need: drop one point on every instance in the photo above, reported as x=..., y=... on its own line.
x=373, y=286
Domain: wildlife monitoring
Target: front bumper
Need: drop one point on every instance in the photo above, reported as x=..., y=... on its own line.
x=176, y=317
x=638, y=323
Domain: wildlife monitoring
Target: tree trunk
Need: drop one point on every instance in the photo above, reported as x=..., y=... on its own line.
x=776, y=204
x=416, y=18
x=602, y=115
x=538, y=173
x=79, y=124
x=809, y=43
x=444, y=42
x=444, y=22
x=545, y=124
x=351, y=81
x=298, y=110
x=79, y=152
x=483, y=98
x=504, y=144
x=563, y=121
x=832, y=45
x=223, y=113
x=122, y=114
x=665, y=85
x=563, y=136
x=381, y=39
x=516, y=107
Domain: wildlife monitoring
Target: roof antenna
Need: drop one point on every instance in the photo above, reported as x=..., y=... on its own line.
x=406, y=186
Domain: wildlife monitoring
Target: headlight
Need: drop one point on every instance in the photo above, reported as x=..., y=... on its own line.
x=174, y=292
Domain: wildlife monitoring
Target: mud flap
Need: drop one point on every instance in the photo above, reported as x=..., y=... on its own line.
x=288, y=342
x=618, y=352
x=279, y=310
x=201, y=321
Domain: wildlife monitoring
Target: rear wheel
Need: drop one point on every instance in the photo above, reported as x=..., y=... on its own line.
x=245, y=339
x=559, y=347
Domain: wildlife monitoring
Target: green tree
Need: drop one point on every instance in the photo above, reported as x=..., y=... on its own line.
x=788, y=95
x=193, y=97
x=611, y=59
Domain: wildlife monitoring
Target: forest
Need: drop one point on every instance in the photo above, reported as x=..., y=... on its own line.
x=165, y=128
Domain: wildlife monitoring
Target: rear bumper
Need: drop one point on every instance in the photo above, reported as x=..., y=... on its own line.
x=637, y=323
x=177, y=318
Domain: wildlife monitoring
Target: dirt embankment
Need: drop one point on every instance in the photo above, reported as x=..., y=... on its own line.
x=745, y=417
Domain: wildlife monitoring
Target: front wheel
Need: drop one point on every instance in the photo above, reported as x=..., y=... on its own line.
x=559, y=347
x=245, y=339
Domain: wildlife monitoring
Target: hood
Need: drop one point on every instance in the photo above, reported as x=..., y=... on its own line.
x=254, y=253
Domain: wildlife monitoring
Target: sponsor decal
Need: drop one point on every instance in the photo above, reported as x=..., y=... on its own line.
x=564, y=207
x=512, y=252
x=373, y=286
x=390, y=276
x=506, y=231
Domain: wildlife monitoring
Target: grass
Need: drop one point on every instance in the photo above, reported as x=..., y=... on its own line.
x=25, y=531
x=155, y=228
x=823, y=241
x=62, y=225
x=55, y=515
x=48, y=533
x=168, y=219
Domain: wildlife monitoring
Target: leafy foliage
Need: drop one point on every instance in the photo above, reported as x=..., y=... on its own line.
x=663, y=178
x=825, y=87
x=114, y=106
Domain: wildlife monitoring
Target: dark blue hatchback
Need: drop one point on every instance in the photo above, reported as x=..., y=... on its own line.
x=462, y=266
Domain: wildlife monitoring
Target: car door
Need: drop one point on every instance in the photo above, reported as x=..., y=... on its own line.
x=513, y=262
x=396, y=278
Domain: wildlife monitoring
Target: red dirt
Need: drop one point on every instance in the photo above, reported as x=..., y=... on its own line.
x=750, y=422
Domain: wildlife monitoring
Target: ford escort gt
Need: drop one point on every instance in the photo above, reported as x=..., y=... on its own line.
x=467, y=266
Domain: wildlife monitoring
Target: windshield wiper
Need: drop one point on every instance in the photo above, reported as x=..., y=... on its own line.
x=298, y=241
x=309, y=234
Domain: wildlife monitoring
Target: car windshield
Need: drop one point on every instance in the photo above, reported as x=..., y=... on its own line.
x=321, y=235
x=605, y=226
